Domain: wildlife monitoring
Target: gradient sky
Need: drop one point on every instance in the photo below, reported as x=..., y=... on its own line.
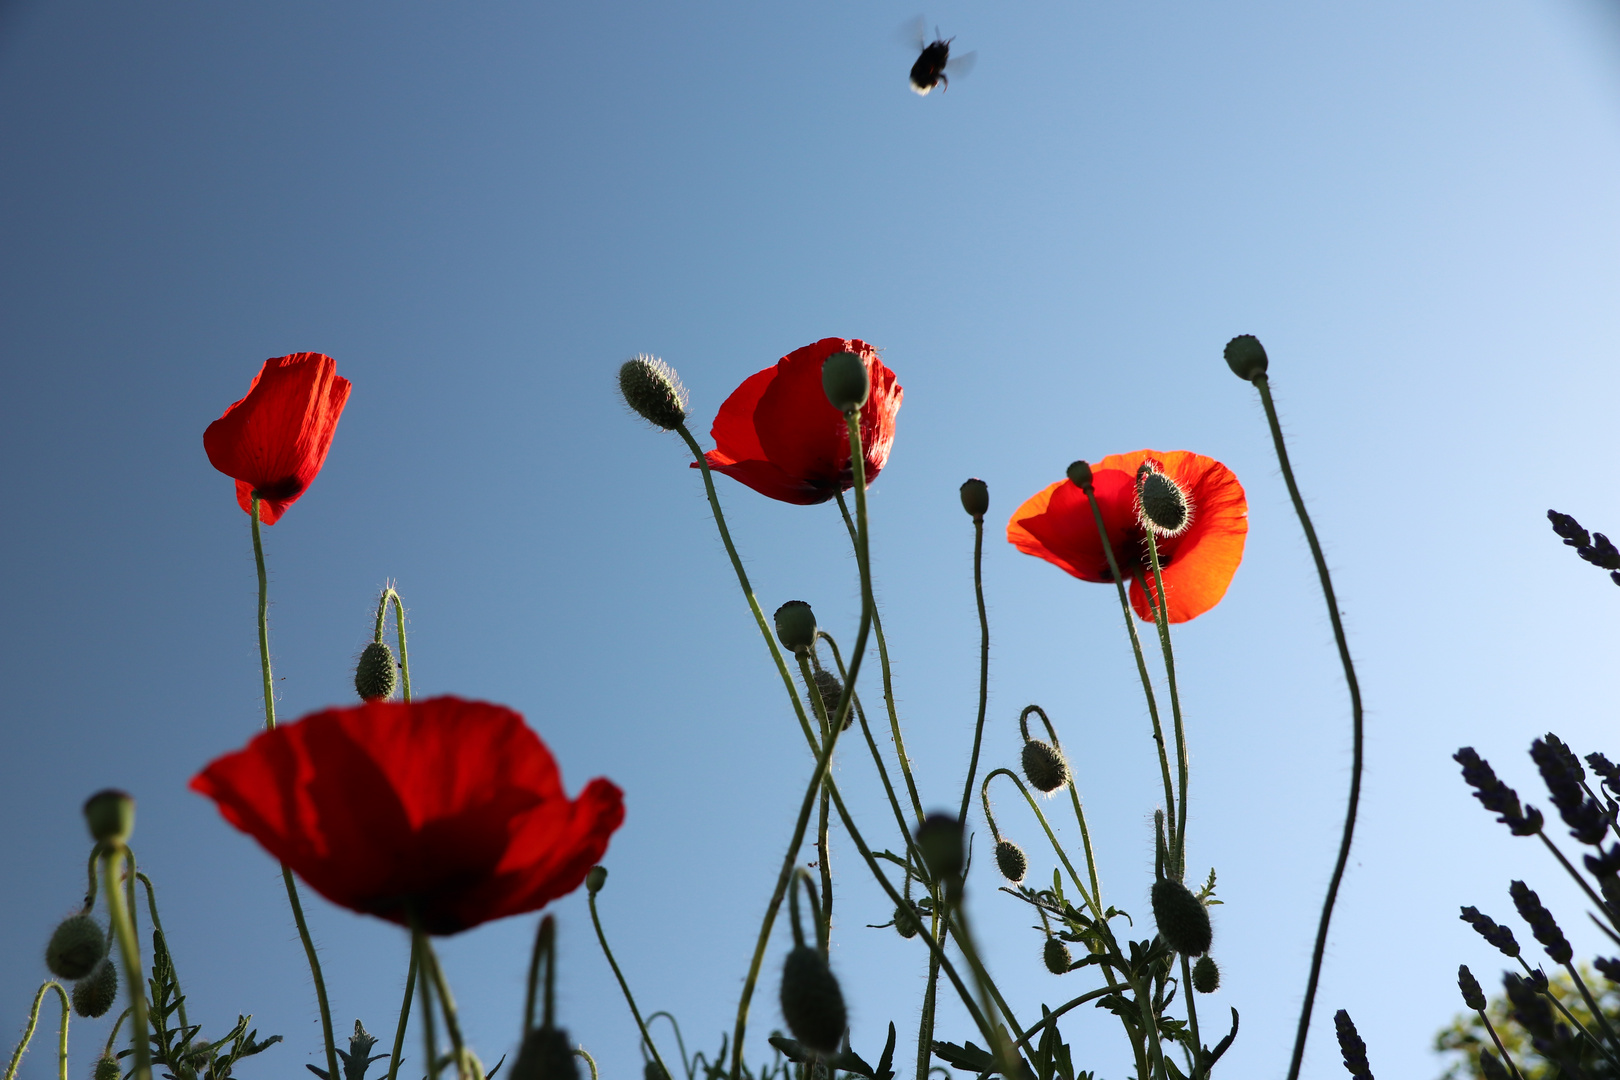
x=481, y=209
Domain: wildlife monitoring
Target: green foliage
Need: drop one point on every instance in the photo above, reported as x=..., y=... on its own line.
x=1466, y=1036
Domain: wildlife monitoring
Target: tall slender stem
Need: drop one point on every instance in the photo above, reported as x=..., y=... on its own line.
x=466, y=1066
x=1161, y=619
x=389, y=593
x=1263, y=385
x=129, y=951
x=823, y=849
x=286, y=874
x=1074, y=875
x=925, y=1026
x=430, y=1035
x=984, y=663
x=157, y=924
x=404, y=1014
x=1189, y=993
x=33, y=1022
x=624, y=985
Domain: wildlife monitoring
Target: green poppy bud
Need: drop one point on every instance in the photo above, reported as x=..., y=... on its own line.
x=1010, y=861
x=77, y=944
x=812, y=1003
x=1163, y=504
x=831, y=691
x=110, y=815
x=94, y=994
x=107, y=1068
x=939, y=838
x=906, y=921
x=653, y=1071
x=846, y=382
x=1206, y=977
x=374, y=675
x=976, y=498
x=1246, y=357
x=1044, y=767
x=1080, y=474
x=595, y=878
x=546, y=1054
x=654, y=391
x=796, y=625
x=1183, y=920
x=1056, y=956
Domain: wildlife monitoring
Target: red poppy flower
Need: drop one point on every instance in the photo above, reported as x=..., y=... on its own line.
x=449, y=811
x=1197, y=564
x=275, y=440
x=777, y=434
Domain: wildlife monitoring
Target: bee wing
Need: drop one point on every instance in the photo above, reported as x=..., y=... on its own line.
x=913, y=32
x=959, y=66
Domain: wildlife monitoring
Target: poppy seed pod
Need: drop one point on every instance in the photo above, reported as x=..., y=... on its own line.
x=939, y=838
x=1164, y=506
x=1080, y=474
x=77, y=944
x=812, y=1004
x=906, y=922
x=831, y=691
x=94, y=994
x=546, y=1054
x=107, y=1068
x=654, y=391
x=845, y=381
x=1010, y=861
x=796, y=625
x=1044, y=767
x=595, y=878
x=110, y=815
x=1056, y=956
x=1182, y=919
x=1206, y=977
x=976, y=498
x=1246, y=357
x=374, y=673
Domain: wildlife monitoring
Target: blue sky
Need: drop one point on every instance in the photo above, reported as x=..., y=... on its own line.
x=480, y=210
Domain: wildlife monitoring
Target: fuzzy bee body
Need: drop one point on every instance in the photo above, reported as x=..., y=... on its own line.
x=929, y=70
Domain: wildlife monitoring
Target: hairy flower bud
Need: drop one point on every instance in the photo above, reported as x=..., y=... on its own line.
x=77, y=944
x=1472, y=995
x=110, y=815
x=831, y=692
x=906, y=921
x=1182, y=919
x=796, y=625
x=1044, y=767
x=595, y=878
x=812, y=1004
x=653, y=1071
x=1206, y=976
x=1056, y=956
x=546, y=1054
x=1164, y=506
x=939, y=838
x=107, y=1068
x=1079, y=474
x=1010, y=861
x=976, y=498
x=374, y=674
x=1246, y=357
x=94, y=994
x=845, y=380
x=653, y=390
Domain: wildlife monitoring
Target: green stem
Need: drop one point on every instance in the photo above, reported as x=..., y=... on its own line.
x=1136, y=649
x=544, y=937
x=1579, y=880
x=466, y=1066
x=1263, y=384
x=1074, y=799
x=33, y=1022
x=925, y=1027
x=1189, y=993
x=90, y=889
x=157, y=924
x=823, y=851
x=984, y=663
x=430, y=1035
x=129, y=951
x=590, y=1061
x=999, y=1041
x=883, y=663
x=404, y=1015
x=388, y=594
x=1161, y=619
x=624, y=985
x=269, y=725
x=112, y=1036
x=1074, y=875
x=748, y=590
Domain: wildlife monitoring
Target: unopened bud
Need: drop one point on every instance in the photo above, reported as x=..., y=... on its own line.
x=110, y=815
x=653, y=390
x=1182, y=919
x=939, y=838
x=77, y=944
x=1473, y=996
x=546, y=1054
x=1044, y=767
x=846, y=382
x=1010, y=861
x=906, y=921
x=1057, y=956
x=796, y=625
x=653, y=1071
x=831, y=691
x=1080, y=474
x=107, y=1068
x=94, y=994
x=595, y=878
x=374, y=674
x=1246, y=357
x=976, y=498
x=812, y=1003
x=1164, y=505
x=1206, y=977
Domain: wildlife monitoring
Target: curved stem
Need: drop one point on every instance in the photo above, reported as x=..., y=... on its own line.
x=389, y=593
x=129, y=952
x=1263, y=384
x=33, y=1022
x=466, y=1066
x=1074, y=875
x=580, y=1051
x=1074, y=800
x=157, y=924
x=823, y=851
x=984, y=662
x=404, y=1014
x=624, y=985
x=112, y=1036
x=90, y=871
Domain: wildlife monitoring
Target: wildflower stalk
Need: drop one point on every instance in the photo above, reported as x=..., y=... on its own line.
x=1161, y=618
x=1602, y=905
x=580, y=1052
x=1597, y=1013
x=1136, y=649
x=1192, y=1010
x=925, y=1027
x=157, y=924
x=389, y=594
x=984, y=664
x=742, y=580
x=430, y=1035
x=624, y=985
x=835, y=726
x=999, y=1041
x=411, y=972
x=1091, y=901
x=33, y=1022
x=883, y=664
x=112, y=1036
x=90, y=887
x=1074, y=798
x=269, y=725
x=467, y=1067
x=129, y=952
x=823, y=853
x=1263, y=384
